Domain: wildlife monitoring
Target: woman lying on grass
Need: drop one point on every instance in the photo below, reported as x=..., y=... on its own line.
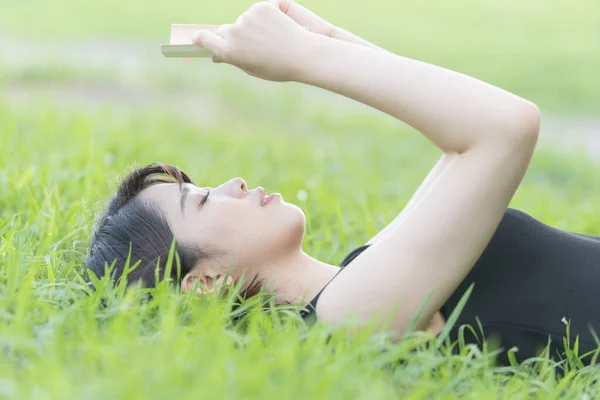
x=456, y=230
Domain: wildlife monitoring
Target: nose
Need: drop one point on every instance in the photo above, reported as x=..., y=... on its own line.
x=239, y=188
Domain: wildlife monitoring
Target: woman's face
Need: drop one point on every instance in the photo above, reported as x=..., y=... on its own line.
x=233, y=221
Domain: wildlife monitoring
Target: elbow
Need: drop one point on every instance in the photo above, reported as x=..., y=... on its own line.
x=531, y=119
x=517, y=128
x=525, y=125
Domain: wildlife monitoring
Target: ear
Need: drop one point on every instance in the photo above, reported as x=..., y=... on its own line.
x=204, y=282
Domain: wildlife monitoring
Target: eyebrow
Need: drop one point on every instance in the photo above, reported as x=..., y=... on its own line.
x=185, y=190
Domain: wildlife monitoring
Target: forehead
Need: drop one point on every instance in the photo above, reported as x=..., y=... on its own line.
x=169, y=189
x=164, y=191
x=168, y=195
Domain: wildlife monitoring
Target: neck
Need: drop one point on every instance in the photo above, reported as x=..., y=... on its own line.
x=297, y=278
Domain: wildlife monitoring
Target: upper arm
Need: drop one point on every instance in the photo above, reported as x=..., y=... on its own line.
x=436, y=243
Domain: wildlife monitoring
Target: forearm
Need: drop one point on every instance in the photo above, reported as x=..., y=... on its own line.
x=455, y=111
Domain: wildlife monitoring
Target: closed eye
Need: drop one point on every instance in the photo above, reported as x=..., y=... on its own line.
x=185, y=190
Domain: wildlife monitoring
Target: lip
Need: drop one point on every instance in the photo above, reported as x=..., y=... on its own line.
x=262, y=193
x=270, y=198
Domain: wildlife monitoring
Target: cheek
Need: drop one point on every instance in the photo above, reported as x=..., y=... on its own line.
x=231, y=229
x=250, y=234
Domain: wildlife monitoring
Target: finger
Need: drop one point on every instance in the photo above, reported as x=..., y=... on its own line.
x=295, y=11
x=283, y=5
x=213, y=42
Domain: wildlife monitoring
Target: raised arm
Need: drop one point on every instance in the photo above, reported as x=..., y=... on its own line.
x=456, y=112
x=489, y=135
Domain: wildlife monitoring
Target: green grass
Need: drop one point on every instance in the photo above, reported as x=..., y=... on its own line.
x=58, y=166
x=60, y=161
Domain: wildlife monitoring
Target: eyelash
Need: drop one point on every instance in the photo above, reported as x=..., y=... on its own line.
x=204, y=199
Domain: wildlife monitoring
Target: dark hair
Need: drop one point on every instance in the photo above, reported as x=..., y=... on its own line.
x=137, y=230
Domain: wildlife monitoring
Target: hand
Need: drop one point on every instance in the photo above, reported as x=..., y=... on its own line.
x=318, y=25
x=264, y=42
x=304, y=17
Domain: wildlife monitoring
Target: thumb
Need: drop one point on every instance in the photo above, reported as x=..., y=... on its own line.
x=214, y=43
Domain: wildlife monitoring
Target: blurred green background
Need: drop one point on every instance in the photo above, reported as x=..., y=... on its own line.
x=85, y=96
x=546, y=51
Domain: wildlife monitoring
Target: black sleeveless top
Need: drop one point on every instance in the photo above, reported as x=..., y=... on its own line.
x=529, y=277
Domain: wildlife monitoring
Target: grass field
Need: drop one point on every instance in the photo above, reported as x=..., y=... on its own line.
x=70, y=129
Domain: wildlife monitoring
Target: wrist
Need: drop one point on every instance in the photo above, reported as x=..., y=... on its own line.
x=305, y=63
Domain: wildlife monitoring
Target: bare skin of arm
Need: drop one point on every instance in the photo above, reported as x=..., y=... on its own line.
x=487, y=136
x=318, y=25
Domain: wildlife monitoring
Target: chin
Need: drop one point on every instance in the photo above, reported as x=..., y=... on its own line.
x=292, y=223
